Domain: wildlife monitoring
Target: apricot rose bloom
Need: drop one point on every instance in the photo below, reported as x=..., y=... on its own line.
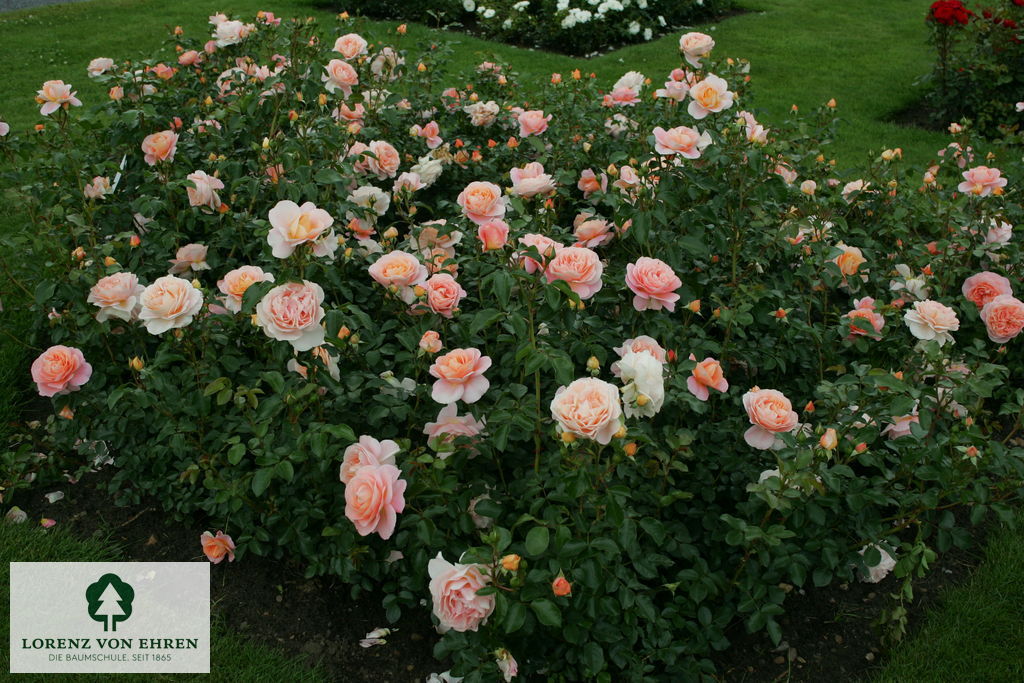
x=653, y=283
x=292, y=312
x=205, y=191
x=686, y=142
x=160, y=146
x=373, y=498
x=54, y=95
x=189, y=257
x=481, y=202
x=449, y=425
x=710, y=95
x=985, y=286
x=493, y=235
x=236, y=282
x=706, y=375
x=578, y=267
x=385, y=160
x=864, y=310
x=350, y=45
x=770, y=413
x=402, y=270
x=60, y=370
x=640, y=344
x=532, y=122
x=430, y=342
x=1003, y=317
x=982, y=181
x=340, y=76
x=453, y=589
x=850, y=260
x=592, y=231
x=460, y=376
x=531, y=180
x=694, y=46
x=169, y=303
x=100, y=66
x=216, y=548
x=367, y=451
x=929, y=320
x=444, y=294
x=117, y=296
x=292, y=225
x=589, y=408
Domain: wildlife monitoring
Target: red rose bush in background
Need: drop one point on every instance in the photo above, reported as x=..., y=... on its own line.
x=440, y=338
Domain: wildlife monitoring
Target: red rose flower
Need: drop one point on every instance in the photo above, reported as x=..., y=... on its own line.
x=949, y=12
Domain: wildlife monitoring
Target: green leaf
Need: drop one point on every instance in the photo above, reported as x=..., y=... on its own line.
x=328, y=176
x=515, y=617
x=274, y=379
x=547, y=613
x=285, y=470
x=593, y=658
x=261, y=480
x=537, y=540
x=236, y=453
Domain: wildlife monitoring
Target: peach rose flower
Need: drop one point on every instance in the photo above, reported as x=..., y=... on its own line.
x=350, y=45
x=589, y=183
x=292, y=312
x=98, y=188
x=453, y=589
x=190, y=58
x=1003, y=317
x=710, y=95
x=653, y=283
x=493, y=235
x=169, y=303
x=339, y=75
x=850, y=260
x=231, y=33
x=205, y=191
x=118, y=296
x=160, y=146
x=367, y=451
x=545, y=246
x=639, y=345
x=864, y=309
x=481, y=201
x=100, y=66
x=236, y=282
x=985, y=286
x=444, y=294
x=449, y=425
x=430, y=342
x=579, y=267
x=189, y=257
x=932, y=320
x=982, y=181
x=373, y=498
x=531, y=180
x=430, y=132
x=706, y=375
x=216, y=548
x=399, y=269
x=60, y=370
x=592, y=231
x=385, y=161
x=770, y=413
x=54, y=95
x=695, y=46
x=460, y=375
x=532, y=122
x=292, y=225
x=588, y=407
x=686, y=142
x=482, y=113
x=900, y=426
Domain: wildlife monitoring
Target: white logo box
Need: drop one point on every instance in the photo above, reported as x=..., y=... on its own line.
x=72, y=617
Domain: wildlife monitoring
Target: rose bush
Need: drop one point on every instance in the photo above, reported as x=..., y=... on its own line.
x=455, y=385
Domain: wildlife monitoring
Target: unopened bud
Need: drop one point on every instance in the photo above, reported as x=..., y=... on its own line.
x=568, y=437
x=266, y=143
x=136, y=363
x=630, y=449
x=110, y=261
x=593, y=364
x=621, y=434
x=829, y=440
x=510, y=563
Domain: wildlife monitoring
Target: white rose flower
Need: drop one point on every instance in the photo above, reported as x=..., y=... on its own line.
x=634, y=80
x=643, y=392
x=429, y=169
x=885, y=565
x=370, y=197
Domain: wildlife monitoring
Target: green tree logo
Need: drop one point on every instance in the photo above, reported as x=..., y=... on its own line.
x=110, y=600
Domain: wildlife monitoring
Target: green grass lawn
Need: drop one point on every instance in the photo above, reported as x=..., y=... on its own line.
x=232, y=658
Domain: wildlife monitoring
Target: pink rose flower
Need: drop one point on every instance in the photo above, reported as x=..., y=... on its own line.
x=756, y=133
x=579, y=267
x=189, y=257
x=770, y=413
x=592, y=231
x=589, y=183
x=216, y=548
x=231, y=33
x=160, y=147
x=190, y=58
x=236, y=282
x=449, y=425
x=864, y=309
x=205, y=191
x=430, y=342
x=531, y=180
x=653, y=283
x=367, y=451
x=350, y=45
x=710, y=95
x=5, y=128
x=1003, y=317
x=98, y=188
x=985, y=286
x=641, y=344
x=706, y=375
x=385, y=160
x=117, y=296
x=373, y=498
x=339, y=75
x=100, y=66
x=292, y=312
x=686, y=142
x=292, y=225
x=453, y=588
x=695, y=46
x=60, y=370
x=493, y=235
x=621, y=96
x=401, y=270
x=430, y=132
x=545, y=246
x=932, y=320
x=54, y=95
x=444, y=294
x=982, y=181
x=460, y=375
x=589, y=408
x=482, y=201
x=532, y=122
x=169, y=303
x=900, y=426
